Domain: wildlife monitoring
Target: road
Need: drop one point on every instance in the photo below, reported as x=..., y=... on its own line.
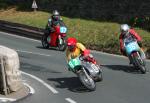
x=54, y=84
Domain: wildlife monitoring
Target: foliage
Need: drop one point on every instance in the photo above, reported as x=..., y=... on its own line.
x=95, y=35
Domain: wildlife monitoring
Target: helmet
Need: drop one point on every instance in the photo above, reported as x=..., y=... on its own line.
x=55, y=15
x=124, y=28
x=71, y=43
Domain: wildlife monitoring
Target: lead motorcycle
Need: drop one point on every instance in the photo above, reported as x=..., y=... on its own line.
x=135, y=53
x=57, y=38
x=88, y=72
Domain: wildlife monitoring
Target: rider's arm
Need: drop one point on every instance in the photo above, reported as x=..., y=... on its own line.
x=81, y=46
x=49, y=24
x=121, y=43
x=84, y=51
x=135, y=34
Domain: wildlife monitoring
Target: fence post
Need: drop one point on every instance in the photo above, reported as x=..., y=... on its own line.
x=3, y=76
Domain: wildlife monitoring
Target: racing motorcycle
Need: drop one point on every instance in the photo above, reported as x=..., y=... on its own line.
x=135, y=54
x=57, y=38
x=88, y=72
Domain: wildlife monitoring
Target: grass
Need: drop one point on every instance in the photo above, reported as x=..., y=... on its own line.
x=95, y=35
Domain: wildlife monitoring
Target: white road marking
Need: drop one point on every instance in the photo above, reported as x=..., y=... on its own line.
x=42, y=82
x=115, y=55
x=70, y=100
x=32, y=53
x=19, y=36
x=7, y=99
x=94, y=51
x=32, y=91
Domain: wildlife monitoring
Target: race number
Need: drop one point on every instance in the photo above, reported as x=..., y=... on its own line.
x=95, y=67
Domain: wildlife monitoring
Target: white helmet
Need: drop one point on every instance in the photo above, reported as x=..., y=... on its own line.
x=55, y=12
x=124, y=28
x=55, y=15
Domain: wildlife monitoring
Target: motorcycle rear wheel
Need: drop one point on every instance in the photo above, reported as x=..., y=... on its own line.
x=45, y=42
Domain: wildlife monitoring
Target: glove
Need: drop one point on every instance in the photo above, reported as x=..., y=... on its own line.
x=86, y=52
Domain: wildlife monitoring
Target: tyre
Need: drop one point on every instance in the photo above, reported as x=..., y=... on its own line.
x=138, y=62
x=45, y=42
x=62, y=46
x=87, y=81
x=143, y=69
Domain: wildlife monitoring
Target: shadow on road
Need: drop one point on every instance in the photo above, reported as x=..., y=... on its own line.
x=125, y=68
x=31, y=67
x=71, y=83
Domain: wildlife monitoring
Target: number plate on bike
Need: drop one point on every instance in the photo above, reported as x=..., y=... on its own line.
x=63, y=29
x=133, y=46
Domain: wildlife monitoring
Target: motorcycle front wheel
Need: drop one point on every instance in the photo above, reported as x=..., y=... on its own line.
x=138, y=62
x=87, y=81
x=62, y=45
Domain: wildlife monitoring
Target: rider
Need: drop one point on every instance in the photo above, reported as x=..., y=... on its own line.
x=74, y=49
x=53, y=20
x=125, y=32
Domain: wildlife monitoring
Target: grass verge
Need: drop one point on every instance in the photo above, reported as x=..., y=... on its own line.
x=101, y=36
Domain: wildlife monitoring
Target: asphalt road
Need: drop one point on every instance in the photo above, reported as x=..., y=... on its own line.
x=54, y=84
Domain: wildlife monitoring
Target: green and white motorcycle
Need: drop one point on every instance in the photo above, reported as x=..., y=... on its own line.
x=87, y=71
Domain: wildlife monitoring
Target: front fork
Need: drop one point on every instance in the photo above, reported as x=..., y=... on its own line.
x=142, y=54
x=140, y=58
x=60, y=40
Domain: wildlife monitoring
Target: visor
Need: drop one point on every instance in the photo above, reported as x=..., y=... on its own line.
x=71, y=47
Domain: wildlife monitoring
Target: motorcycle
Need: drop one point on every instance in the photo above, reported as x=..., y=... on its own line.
x=135, y=54
x=57, y=38
x=87, y=72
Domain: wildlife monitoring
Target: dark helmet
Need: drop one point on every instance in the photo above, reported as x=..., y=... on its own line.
x=71, y=43
x=55, y=15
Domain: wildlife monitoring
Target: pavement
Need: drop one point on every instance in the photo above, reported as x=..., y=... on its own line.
x=23, y=92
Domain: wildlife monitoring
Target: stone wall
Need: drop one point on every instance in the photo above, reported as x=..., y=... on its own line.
x=11, y=66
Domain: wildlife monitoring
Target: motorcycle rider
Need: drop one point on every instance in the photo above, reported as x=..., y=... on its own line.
x=52, y=21
x=125, y=32
x=74, y=49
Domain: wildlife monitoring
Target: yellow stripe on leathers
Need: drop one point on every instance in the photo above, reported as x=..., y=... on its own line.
x=79, y=49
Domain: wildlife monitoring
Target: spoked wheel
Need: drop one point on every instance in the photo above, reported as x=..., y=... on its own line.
x=62, y=44
x=139, y=63
x=45, y=42
x=87, y=81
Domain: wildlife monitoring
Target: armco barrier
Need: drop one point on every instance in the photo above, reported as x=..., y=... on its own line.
x=29, y=31
x=20, y=29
